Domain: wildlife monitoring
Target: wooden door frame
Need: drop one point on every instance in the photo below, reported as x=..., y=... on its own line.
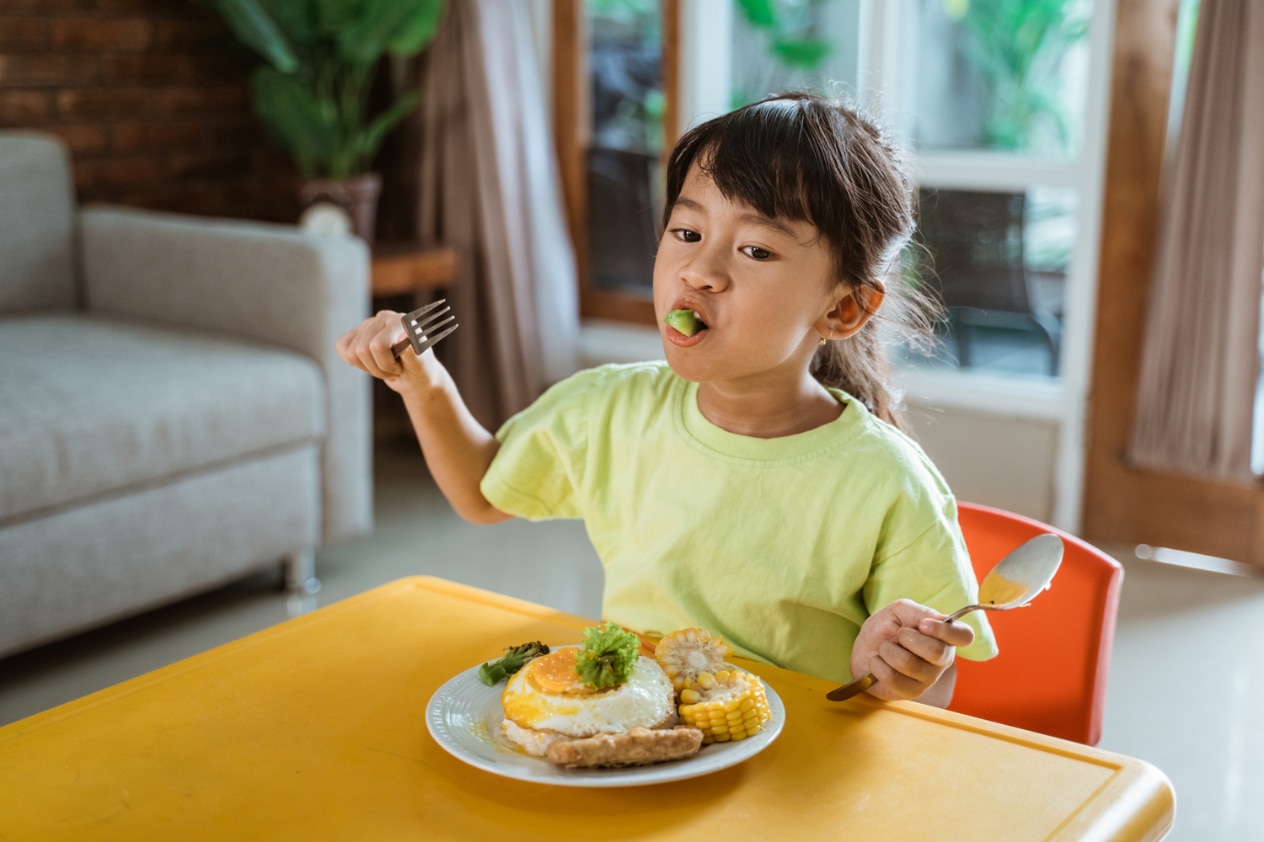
x=1124, y=503
x=572, y=121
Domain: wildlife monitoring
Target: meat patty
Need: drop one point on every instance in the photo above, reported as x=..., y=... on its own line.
x=636, y=747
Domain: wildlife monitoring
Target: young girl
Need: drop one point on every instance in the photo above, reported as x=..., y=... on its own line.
x=756, y=483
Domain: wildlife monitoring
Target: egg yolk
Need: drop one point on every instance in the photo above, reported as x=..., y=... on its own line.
x=554, y=674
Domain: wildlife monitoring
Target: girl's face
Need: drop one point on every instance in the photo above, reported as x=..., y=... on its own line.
x=764, y=288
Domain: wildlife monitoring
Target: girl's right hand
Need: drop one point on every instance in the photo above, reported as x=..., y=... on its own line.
x=367, y=347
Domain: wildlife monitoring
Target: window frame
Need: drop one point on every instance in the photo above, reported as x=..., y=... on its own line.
x=572, y=121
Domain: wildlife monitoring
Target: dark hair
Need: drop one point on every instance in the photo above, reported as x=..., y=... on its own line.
x=810, y=159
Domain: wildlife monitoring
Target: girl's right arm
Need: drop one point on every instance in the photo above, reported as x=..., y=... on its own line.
x=457, y=449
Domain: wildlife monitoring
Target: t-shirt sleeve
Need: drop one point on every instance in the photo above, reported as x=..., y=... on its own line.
x=537, y=473
x=934, y=569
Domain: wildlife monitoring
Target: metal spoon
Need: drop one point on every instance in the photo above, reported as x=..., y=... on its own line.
x=1012, y=583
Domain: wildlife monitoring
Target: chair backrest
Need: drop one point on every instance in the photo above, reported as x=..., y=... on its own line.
x=1050, y=675
x=975, y=239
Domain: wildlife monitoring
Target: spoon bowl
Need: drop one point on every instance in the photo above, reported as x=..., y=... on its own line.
x=1012, y=583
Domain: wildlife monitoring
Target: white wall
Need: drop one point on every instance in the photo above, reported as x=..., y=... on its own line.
x=1007, y=461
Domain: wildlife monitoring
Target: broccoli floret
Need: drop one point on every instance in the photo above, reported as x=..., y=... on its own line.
x=516, y=658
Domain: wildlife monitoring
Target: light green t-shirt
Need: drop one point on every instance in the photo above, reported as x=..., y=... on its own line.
x=782, y=546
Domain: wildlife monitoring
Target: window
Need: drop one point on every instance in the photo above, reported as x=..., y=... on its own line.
x=992, y=96
x=613, y=66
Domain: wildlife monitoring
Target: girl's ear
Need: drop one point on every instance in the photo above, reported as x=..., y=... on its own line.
x=852, y=309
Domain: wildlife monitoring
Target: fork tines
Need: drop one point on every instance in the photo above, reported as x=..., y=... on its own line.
x=425, y=326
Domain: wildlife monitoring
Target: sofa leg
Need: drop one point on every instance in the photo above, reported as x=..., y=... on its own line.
x=300, y=573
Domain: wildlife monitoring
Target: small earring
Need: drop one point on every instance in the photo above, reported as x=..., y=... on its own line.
x=824, y=340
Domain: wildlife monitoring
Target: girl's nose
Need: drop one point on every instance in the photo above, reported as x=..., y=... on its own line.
x=707, y=270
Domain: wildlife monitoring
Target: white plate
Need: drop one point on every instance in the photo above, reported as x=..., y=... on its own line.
x=464, y=717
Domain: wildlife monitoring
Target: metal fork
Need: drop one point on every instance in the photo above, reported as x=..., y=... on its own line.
x=425, y=326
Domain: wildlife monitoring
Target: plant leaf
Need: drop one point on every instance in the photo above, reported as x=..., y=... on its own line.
x=760, y=14
x=255, y=28
x=333, y=16
x=365, y=40
x=372, y=136
x=420, y=29
x=802, y=53
x=296, y=18
x=305, y=125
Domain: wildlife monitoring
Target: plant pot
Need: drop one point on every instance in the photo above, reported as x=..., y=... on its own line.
x=356, y=195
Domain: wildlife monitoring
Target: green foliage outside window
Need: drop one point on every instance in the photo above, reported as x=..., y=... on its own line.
x=1016, y=48
x=788, y=29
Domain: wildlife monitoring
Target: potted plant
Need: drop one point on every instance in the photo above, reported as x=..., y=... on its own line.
x=312, y=85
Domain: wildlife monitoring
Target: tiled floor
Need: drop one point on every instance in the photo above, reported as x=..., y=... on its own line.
x=1186, y=686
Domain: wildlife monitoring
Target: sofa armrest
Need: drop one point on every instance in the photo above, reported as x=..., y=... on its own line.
x=263, y=282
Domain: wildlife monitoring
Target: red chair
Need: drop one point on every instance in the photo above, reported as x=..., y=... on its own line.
x=1050, y=675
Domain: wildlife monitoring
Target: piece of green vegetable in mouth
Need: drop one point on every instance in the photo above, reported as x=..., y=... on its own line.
x=685, y=321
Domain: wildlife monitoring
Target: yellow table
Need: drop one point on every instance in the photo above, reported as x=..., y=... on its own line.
x=315, y=729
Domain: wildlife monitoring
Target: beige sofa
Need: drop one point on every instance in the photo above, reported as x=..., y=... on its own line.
x=172, y=411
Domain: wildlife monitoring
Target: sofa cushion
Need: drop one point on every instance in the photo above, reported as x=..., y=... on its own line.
x=132, y=404
x=36, y=224
x=121, y=553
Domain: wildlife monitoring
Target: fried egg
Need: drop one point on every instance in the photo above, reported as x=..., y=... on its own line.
x=545, y=700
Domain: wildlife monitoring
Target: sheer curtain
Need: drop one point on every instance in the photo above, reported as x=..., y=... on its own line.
x=488, y=186
x=1200, y=353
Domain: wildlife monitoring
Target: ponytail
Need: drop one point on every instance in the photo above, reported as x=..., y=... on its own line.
x=859, y=367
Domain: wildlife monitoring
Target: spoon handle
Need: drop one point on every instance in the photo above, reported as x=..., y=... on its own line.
x=957, y=615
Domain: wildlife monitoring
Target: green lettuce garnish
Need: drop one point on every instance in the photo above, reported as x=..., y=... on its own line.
x=609, y=654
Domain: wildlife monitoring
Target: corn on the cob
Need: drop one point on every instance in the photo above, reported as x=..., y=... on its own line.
x=686, y=654
x=733, y=706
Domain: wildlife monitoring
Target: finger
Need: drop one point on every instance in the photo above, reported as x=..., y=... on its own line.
x=906, y=612
x=347, y=345
x=930, y=649
x=922, y=659
x=955, y=633
x=350, y=345
x=379, y=349
x=894, y=684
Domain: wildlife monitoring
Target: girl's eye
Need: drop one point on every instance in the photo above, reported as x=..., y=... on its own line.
x=686, y=235
x=756, y=252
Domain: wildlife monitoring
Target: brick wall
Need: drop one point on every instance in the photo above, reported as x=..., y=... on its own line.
x=152, y=97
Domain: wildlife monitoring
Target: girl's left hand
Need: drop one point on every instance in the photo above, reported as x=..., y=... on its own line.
x=907, y=647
